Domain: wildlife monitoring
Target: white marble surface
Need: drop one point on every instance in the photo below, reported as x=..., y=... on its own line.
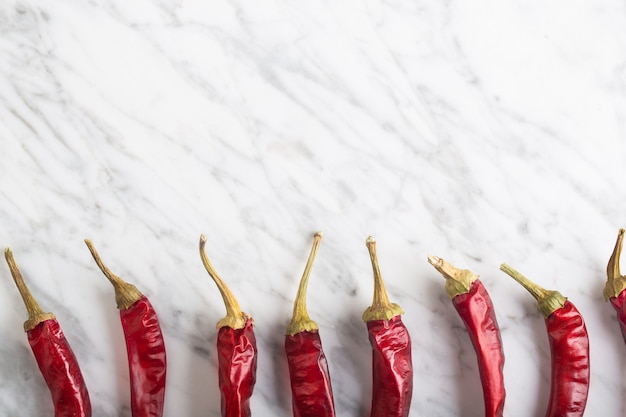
x=482, y=132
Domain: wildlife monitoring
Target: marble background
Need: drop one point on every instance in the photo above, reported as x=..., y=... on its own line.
x=482, y=132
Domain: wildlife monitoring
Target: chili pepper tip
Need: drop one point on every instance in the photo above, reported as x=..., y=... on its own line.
x=548, y=301
x=235, y=318
x=301, y=321
x=126, y=294
x=458, y=281
x=36, y=314
x=616, y=282
x=381, y=308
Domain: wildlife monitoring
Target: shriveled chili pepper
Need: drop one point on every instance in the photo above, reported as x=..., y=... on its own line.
x=53, y=353
x=615, y=289
x=472, y=302
x=311, y=390
x=392, y=387
x=236, y=349
x=569, y=349
x=145, y=347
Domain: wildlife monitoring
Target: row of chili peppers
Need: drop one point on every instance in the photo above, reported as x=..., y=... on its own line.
x=309, y=374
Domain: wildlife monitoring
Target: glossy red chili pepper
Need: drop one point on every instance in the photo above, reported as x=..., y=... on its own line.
x=392, y=365
x=236, y=347
x=615, y=289
x=311, y=390
x=237, y=358
x=145, y=347
x=569, y=349
x=619, y=304
x=472, y=302
x=55, y=357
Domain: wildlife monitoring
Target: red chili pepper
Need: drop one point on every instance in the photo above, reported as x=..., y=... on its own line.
x=145, y=348
x=569, y=349
x=472, y=302
x=236, y=347
x=53, y=353
x=391, y=347
x=311, y=390
x=615, y=289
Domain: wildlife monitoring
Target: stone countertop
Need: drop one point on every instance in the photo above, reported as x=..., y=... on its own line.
x=482, y=133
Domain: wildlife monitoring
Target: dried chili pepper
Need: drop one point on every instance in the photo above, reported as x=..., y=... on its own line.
x=145, y=347
x=615, y=289
x=236, y=347
x=53, y=353
x=569, y=349
x=311, y=390
x=391, y=348
x=472, y=302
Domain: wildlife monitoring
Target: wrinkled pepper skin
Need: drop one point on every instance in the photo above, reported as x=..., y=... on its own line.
x=476, y=310
x=60, y=370
x=392, y=368
x=569, y=348
x=237, y=361
x=311, y=389
x=146, y=358
x=619, y=304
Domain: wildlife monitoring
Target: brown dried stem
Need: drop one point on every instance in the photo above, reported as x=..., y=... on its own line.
x=616, y=282
x=126, y=294
x=36, y=314
x=458, y=281
x=235, y=318
x=549, y=301
x=381, y=308
x=301, y=321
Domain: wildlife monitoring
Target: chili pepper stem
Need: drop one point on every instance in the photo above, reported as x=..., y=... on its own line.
x=126, y=294
x=549, y=301
x=616, y=282
x=235, y=318
x=381, y=308
x=301, y=321
x=458, y=281
x=36, y=314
